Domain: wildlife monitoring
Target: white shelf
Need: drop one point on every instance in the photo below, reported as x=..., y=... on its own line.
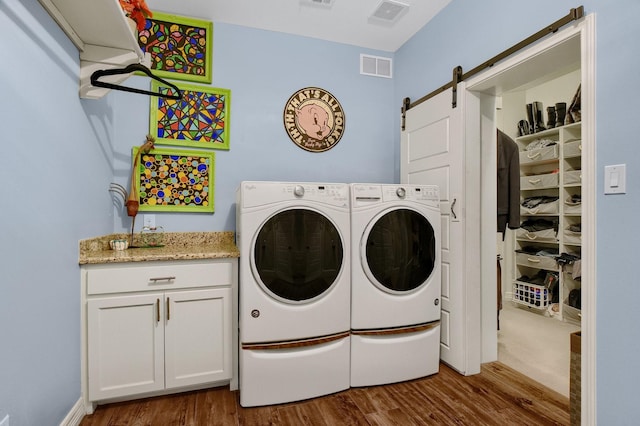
x=562, y=167
x=100, y=31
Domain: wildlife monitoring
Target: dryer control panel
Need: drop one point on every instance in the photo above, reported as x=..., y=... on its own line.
x=416, y=193
x=363, y=195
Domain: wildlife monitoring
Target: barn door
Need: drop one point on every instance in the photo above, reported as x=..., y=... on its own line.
x=433, y=152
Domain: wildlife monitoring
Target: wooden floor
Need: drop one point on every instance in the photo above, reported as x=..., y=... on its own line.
x=497, y=396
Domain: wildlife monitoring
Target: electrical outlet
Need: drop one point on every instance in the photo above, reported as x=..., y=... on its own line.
x=149, y=222
x=5, y=421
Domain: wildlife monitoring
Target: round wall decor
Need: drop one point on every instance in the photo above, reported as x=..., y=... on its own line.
x=314, y=119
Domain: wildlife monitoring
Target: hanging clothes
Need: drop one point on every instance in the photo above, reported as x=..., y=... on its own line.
x=508, y=183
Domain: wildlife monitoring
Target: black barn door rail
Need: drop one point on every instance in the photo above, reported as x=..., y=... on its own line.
x=458, y=76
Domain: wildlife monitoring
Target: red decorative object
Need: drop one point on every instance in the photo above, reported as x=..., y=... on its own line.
x=136, y=10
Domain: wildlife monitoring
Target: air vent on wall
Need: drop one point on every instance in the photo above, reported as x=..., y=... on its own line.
x=321, y=3
x=388, y=12
x=376, y=66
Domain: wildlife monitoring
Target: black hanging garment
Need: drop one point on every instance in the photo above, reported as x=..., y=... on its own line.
x=508, y=184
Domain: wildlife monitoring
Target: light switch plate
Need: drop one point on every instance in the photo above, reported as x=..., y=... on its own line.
x=615, y=179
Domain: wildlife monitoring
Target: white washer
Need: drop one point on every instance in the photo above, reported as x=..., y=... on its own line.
x=395, y=282
x=294, y=291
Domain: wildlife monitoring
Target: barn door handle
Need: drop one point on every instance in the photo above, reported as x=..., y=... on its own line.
x=452, y=211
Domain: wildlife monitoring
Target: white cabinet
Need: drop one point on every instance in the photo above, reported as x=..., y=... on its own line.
x=125, y=346
x=157, y=327
x=197, y=337
x=550, y=192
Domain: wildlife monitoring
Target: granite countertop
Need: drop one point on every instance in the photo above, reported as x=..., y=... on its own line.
x=176, y=246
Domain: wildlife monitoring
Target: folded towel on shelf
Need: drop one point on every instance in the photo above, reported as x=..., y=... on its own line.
x=531, y=202
x=533, y=225
x=537, y=251
x=540, y=143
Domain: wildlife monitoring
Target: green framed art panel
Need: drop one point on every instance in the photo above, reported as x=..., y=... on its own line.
x=199, y=119
x=176, y=180
x=180, y=47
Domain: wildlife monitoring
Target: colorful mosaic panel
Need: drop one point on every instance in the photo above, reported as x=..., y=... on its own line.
x=199, y=119
x=176, y=181
x=180, y=47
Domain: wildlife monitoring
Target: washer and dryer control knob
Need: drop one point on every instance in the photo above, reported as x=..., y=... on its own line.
x=401, y=193
x=298, y=191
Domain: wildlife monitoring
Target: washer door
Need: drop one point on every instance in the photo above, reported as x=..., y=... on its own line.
x=399, y=251
x=298, y=255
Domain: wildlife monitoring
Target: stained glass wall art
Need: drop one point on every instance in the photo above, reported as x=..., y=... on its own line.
x=199, y=119
x=180, y=47
x=178, y=181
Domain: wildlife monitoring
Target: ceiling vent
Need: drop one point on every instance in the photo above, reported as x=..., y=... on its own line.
x=376, y=66
x=388, y=12
x=318, y=3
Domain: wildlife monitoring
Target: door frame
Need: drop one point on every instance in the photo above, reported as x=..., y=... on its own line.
x=585, y=29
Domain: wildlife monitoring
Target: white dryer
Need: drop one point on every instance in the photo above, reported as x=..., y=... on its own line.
x=294, y=290
x=395, y=282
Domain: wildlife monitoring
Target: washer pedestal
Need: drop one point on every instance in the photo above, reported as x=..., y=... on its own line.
x=378, y=359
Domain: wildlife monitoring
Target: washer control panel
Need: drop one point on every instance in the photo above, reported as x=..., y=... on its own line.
x=263, y=193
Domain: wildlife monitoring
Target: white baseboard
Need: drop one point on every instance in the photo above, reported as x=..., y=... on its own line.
x=75, y=416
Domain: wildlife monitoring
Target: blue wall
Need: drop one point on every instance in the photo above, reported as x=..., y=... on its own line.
x=467, y=33
x=61, y=153
x=263, y=69
x=54, y=171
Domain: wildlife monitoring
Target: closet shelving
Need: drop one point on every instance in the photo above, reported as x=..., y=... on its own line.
x=101, y=32
x=549, y=171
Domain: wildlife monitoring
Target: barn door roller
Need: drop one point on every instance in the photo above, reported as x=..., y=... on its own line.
x=457, y=76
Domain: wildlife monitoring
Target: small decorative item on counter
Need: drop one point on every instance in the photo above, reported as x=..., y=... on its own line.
x=152, y=237
x=136, y=10
x=119, y=244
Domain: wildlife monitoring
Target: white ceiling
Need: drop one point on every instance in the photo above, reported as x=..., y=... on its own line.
x=346, y=21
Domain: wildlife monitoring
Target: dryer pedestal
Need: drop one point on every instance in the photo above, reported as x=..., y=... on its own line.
x=378, y=359
x=396, y=282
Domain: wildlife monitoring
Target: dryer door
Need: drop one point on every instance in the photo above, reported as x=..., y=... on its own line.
x=298, y=255
x=399, y=251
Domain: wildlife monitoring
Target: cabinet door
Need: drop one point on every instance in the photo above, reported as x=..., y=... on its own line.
x=197, y=337
x=125, y=345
